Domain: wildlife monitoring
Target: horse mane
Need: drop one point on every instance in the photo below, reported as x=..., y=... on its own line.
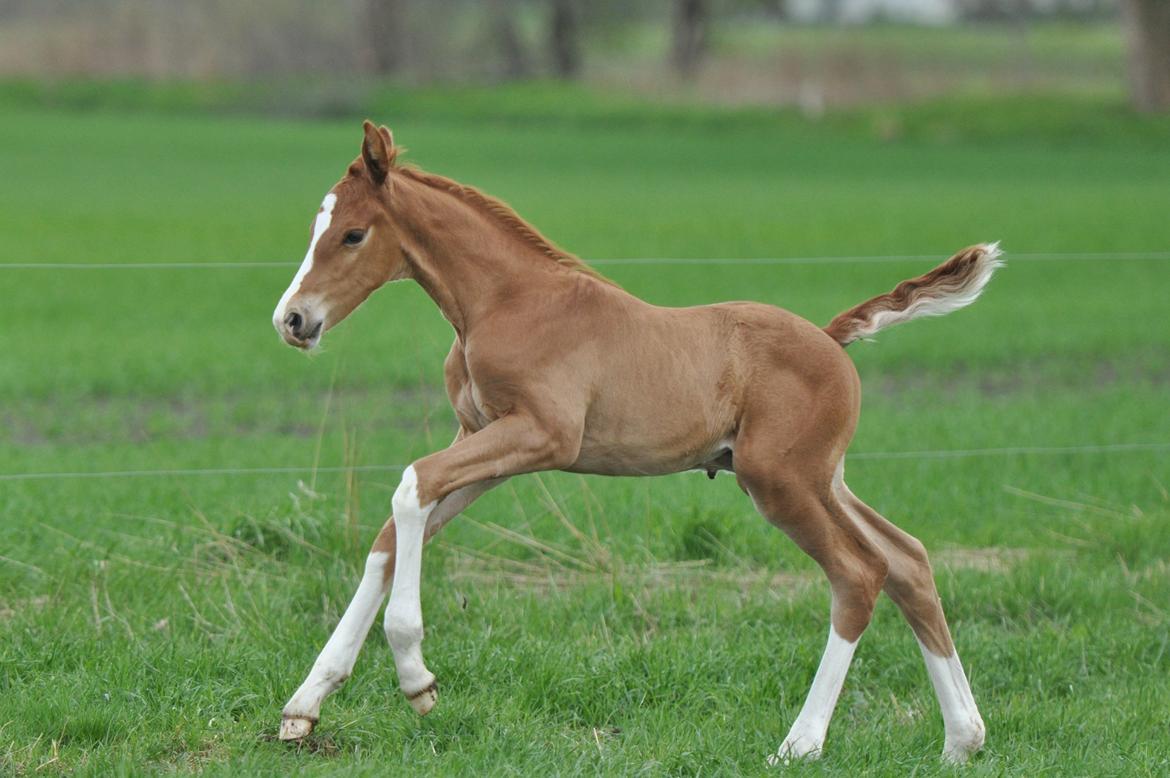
x=504, y=215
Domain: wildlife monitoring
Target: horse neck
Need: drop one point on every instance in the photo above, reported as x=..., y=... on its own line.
x=466, y=261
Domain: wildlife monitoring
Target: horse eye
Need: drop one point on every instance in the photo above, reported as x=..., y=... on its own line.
x=354, y=237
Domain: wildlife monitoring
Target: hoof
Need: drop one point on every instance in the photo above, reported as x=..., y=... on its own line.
x=959, y=747
x=956, y=755
x=296, y=727
x=423, y=701
x=953, y=754
x=795, y=749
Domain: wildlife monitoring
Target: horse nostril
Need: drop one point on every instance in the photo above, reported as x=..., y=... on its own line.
x=294, y=321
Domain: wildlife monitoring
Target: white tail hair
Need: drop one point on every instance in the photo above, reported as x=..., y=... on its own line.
x=954, y=284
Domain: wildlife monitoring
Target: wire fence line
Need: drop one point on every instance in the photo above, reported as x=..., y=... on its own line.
x=1112, y=448
x=197, y=471
x=1089, y=256
x=927, y=454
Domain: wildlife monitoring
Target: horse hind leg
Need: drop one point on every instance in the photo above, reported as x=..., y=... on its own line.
x=809, y=512
x=910, y=584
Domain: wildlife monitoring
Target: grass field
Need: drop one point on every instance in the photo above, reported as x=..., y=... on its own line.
x=577, y=625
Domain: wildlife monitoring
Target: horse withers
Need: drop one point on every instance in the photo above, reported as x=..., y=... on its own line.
x=556, y=368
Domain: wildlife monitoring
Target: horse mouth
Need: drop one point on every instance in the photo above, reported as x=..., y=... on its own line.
x=307, y=342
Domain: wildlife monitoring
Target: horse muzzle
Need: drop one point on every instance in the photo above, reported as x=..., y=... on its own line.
x=300, y=329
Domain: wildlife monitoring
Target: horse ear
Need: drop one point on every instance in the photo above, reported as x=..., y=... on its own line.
x=377, y=151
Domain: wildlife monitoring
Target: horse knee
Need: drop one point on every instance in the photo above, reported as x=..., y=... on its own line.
x=405, y=502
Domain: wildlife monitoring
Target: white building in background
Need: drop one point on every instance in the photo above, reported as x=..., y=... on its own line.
x=933, y=12
x=929, y=12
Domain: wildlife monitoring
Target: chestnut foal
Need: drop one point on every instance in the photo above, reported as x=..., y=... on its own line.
x=555, y=368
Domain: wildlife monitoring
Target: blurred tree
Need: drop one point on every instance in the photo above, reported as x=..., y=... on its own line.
x=993, y=10
x=1147, y=28
x=691, y=18
x=564, y=39
x=386, y=31
x=778, y=9
x=831, y=11
x=508, y=42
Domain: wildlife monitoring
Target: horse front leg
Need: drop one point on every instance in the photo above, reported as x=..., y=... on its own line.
x=336, y=660
x=510, y=446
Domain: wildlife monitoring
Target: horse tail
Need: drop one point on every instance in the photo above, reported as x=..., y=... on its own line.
x=952, y=285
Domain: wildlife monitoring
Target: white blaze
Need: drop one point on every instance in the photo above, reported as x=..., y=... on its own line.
x=324, y=217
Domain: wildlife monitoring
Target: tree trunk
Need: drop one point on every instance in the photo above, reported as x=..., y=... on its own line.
x=564, y=39
x=386, y=30
x=690, y=35
x=1147, y=30
x=507, y=40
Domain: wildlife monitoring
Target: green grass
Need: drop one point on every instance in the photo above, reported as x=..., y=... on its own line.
x=158, y=624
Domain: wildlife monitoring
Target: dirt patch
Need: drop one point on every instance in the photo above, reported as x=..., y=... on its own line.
x=984, y=560
x=1040, y=376
x=96, y=420
x=550, y=575
x=10, y=610
x=317, y=744
x=100, y=420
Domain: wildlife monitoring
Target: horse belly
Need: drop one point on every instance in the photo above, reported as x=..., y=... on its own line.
x=598, y=458
x=658, y=439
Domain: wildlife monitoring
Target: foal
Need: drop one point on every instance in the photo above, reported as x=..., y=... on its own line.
x=555, y=368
